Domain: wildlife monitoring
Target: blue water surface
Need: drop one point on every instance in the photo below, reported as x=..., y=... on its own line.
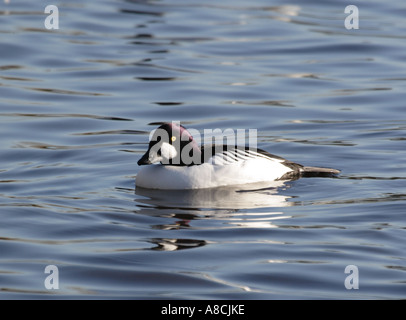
x=77, y=105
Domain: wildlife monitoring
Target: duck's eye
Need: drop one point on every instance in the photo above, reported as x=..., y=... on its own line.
x=173, y=139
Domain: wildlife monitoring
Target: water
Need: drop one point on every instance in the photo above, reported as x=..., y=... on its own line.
x=76, y=108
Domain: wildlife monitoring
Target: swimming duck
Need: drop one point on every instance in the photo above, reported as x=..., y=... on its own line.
x=176, y=161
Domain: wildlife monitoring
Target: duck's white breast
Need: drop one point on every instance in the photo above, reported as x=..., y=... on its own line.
x=208, y=175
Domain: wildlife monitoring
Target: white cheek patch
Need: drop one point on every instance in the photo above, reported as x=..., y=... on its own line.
x=168, y=151
x=154, y=158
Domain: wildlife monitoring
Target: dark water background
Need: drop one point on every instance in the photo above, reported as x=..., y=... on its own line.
x=76, y=108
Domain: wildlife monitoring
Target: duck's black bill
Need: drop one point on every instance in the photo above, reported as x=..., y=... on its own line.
x=144, y=160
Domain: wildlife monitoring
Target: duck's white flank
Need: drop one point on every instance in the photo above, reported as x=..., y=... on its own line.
x=209, y=175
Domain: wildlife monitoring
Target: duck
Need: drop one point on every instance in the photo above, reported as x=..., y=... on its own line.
x=175, y=161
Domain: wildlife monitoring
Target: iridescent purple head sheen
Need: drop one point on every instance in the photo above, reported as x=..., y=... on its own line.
x=172, y=144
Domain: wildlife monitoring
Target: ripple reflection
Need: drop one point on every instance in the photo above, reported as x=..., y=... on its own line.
x=237, y=197
x=213, y=209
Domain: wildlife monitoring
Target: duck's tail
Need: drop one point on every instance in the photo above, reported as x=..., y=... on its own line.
x=318, y=172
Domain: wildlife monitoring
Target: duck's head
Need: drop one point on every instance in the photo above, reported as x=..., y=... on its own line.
x=171, y=144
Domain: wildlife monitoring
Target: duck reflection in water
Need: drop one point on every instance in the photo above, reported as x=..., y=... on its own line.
x=166, y=244
x=221, y=208
x=249, y=196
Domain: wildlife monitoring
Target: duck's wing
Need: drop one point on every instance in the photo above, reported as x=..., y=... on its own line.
x=227, y=154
